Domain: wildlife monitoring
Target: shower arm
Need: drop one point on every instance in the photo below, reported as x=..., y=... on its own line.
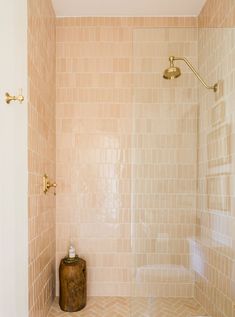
x=214, y=87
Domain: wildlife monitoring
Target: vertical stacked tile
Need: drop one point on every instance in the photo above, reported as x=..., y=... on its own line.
x=96, y=119
x=41, y=121
x=164, y=162
x=214, y=246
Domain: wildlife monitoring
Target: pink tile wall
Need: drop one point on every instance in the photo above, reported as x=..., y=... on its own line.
x=41, y=121
x=121, y=140
x=96, y=120
x=217, y=13
x=214, y=246
x=164, y=163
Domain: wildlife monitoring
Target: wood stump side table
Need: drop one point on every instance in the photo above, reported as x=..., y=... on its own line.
x=73, y=290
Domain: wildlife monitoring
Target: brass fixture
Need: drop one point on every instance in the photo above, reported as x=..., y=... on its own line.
x=174, y=72
x=10, y=98
x=47, y=184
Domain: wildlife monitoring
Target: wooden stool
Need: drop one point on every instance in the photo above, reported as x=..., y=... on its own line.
x=72, y=274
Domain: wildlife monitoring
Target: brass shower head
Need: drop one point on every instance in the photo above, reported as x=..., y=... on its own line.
x=174, y=72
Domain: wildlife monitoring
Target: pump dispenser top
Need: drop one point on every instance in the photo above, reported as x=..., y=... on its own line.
x=72, y=252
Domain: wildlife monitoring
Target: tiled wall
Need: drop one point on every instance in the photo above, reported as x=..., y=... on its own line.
x=41, y=121
x=216, y=14
x=126, y=161
x=214, y=247
x=101, y=132
x=164, y=162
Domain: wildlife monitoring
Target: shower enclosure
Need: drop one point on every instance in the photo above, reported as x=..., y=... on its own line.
x=181, y=173
x=145, y=165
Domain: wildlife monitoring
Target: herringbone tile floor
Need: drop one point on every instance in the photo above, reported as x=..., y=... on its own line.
x=133, y=307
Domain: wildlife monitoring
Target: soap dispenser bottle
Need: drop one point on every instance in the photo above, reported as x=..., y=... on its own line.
x=72, y=252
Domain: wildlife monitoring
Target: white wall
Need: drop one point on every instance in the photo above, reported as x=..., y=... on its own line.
x=13, y=161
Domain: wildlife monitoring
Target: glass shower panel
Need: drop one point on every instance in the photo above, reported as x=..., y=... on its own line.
x=214, y=248
x=164, y=169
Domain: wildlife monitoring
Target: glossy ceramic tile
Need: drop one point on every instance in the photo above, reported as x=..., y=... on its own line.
x=132, y=152
x=130, y=22
x=139, y=307
x=164, y=162
x=217, y=14
x=126, y=155
x=41, y=155
x=213, y=248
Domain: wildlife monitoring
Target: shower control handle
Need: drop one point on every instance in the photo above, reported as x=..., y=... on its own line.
x=47, y=184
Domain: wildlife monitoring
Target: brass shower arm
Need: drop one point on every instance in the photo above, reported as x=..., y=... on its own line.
x=173, y=58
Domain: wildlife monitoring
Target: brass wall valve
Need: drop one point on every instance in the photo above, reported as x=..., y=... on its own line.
x=47, y=184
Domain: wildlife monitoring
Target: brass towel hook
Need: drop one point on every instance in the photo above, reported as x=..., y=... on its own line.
x=10, y=98
x=47, y=184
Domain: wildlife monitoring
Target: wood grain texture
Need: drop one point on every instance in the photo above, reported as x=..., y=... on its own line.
x=73, y=291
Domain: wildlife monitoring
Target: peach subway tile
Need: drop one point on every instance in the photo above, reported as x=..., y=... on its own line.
x=213, y=250
x=123, y=135
x=217, y=14
x=126, y=22
x=144, y=166
x=41, y=154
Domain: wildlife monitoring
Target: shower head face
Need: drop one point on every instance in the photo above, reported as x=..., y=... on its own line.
x=172, y=72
